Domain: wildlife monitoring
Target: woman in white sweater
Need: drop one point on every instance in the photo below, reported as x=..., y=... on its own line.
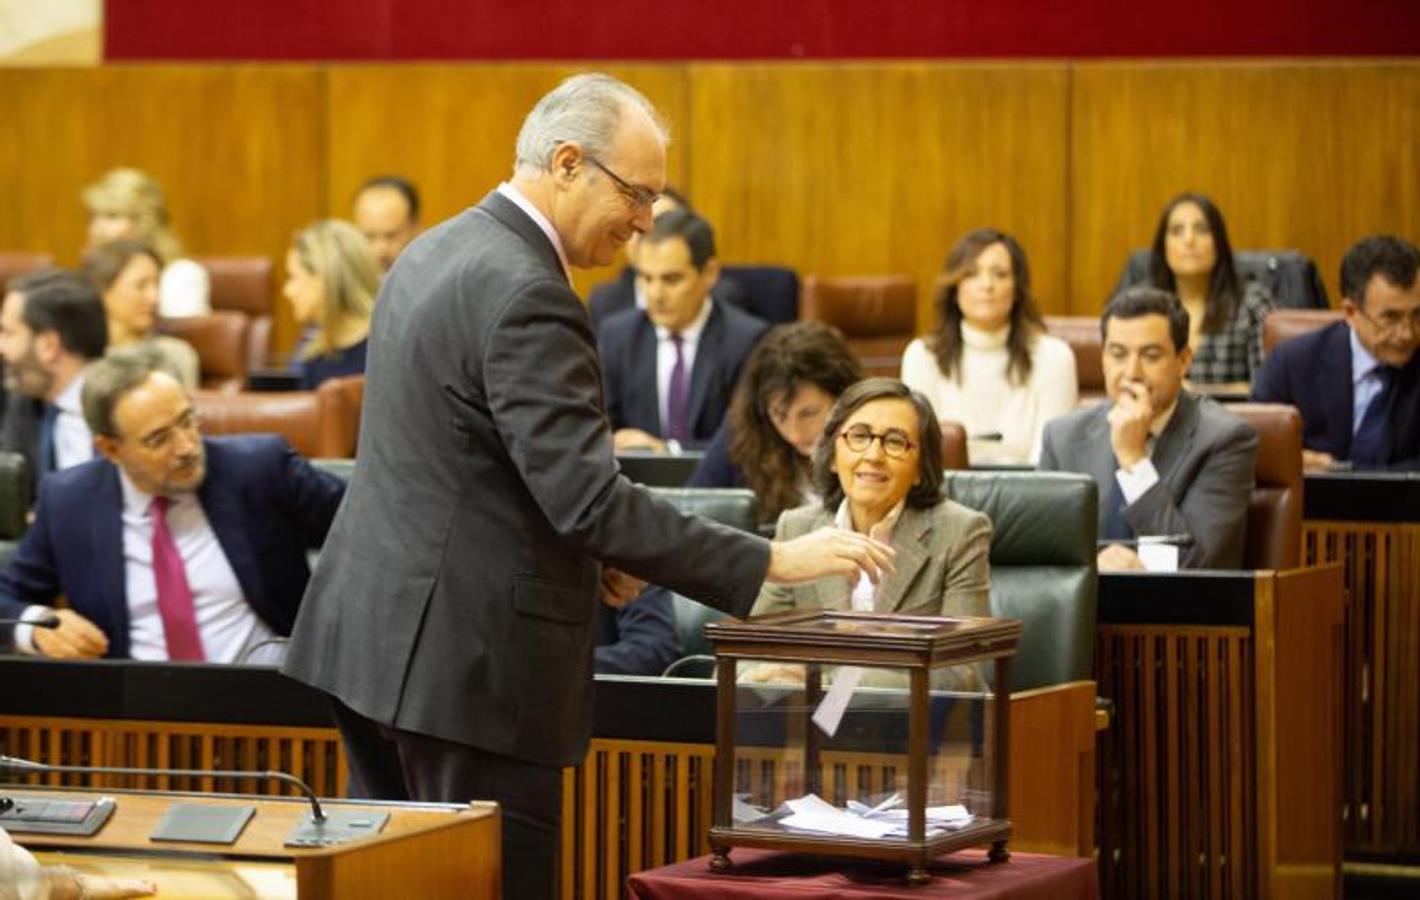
x=990, y=365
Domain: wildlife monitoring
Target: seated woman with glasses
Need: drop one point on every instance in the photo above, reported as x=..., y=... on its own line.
x=790, y=382
x=878, y=468
x=990, y=365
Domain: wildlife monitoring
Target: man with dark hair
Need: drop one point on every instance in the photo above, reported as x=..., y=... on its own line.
x=1167, y=461
x=52, y=325
x=386, y=210
x=171, y=546
x=670, y=368
x=1357, y=382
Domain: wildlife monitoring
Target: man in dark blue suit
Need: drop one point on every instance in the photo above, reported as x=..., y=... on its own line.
x=670, y=369
x=169, y=546
x=1357, y=382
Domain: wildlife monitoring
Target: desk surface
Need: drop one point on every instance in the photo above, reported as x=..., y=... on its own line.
x=180, y=878
x=766, y=875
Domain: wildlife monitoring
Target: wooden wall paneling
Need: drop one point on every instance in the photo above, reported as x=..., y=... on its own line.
x=451, y=129
x=238, y=150
x=876, y=168
x=1306, y=155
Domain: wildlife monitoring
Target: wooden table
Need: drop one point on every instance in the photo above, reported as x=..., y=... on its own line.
x=424, y=850
x=765, y=875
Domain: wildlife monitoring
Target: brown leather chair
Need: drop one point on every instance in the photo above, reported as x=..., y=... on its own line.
x=308, y=420
x=220, y=340
x=1082, y=333
x=1282, y=325
x=876, y=313
x=954, y=446
x=243, y=284
x=1274, y=513
x=13, y=265
x=341, y=399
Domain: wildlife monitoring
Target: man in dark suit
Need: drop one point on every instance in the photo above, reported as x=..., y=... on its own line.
x=52, y=325
x=639, y=638
x=1357, y=382
x=671, y=368
x=170, y=546
x=1167, y=462
x=451, y=612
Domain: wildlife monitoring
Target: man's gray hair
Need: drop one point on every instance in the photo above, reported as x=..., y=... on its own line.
x=584, y=108
x=112, y=378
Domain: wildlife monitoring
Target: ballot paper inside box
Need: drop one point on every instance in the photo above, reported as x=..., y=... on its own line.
x=862, y=735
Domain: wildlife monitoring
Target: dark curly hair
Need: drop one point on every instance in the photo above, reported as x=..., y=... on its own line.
x=1026, y=322
x=786, y=358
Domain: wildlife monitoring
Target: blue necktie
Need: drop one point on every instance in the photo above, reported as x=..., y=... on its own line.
x=44, y=455
x=1368, y=445
x=677, y=426
x=1116, y=526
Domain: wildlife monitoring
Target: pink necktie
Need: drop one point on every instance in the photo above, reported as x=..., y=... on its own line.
x=174, y=595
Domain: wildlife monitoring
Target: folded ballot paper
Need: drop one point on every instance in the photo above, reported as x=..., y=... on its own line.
x=888, y=819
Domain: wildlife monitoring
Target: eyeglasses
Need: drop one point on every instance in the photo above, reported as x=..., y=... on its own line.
x=188, y=422
x=1391, y=320
x=860, y=437
x=640, y=197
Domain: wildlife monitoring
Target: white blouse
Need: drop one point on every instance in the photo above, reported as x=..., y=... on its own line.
x=1003, y=421
x=183, y=290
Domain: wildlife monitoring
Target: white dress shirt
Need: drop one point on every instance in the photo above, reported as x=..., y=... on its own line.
x=665, y=361
x=523, y=203
x=864, y=591
x=1135, y=482
x=73, y=442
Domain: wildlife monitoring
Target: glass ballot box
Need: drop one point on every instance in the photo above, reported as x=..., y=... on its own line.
x=862, y=735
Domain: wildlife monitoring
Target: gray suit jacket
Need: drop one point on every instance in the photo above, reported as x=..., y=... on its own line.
x=456, y=591
x=1205, y=458
x=942, y=566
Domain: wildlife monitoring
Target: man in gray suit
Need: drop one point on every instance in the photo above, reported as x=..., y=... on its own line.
x=451, y=613
x=1167, y=461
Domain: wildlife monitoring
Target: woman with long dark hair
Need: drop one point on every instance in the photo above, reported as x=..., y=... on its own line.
x=1192, y=258
x=989, y=364
x=790, y=381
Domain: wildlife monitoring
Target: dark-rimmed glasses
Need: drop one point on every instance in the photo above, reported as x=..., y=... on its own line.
x=639, y=196
x=1390, y=321
x=860, y=437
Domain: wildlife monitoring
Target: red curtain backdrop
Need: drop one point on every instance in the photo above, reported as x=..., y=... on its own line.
x=752, y=29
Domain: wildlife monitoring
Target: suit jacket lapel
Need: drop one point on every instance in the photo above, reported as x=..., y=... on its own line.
x=707, y=359
x=1172, y=446
x=909, y=539
x=642, y=390
x=511, y=215
x=224, y=513
x=1099, y=453
x=106, y=538
x=1339, y=398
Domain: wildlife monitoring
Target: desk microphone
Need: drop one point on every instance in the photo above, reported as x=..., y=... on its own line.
x=16, y=765
x=51, y=621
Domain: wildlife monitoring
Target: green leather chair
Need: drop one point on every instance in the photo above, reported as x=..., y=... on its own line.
x=1042, y=566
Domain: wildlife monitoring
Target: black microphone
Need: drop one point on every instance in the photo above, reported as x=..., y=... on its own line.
x=25, y=766
x=47, y=622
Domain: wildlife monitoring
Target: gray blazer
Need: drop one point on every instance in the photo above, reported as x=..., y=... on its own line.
x=456, y=591
x=1206, y=459
x=942, y=566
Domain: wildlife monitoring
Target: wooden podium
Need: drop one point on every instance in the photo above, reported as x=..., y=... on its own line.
x=424, y=850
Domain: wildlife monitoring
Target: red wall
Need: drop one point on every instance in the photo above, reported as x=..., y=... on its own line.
x=752, y=29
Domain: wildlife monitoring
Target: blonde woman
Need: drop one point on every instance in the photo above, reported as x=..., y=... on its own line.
x=129, y=204
x=126, y=274
x=331, y=281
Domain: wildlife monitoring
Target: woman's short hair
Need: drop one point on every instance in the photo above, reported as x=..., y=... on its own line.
x=1025, y=324
x=337, y=253
x=927, y=490
x=136, y=195
x=103, y=264
x=1224, y=287
x=785, y=359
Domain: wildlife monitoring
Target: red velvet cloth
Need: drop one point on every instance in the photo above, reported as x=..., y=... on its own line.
x=768, y=875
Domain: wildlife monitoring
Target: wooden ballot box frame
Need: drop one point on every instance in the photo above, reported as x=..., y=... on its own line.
x=424, y=850
x=916, y=645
